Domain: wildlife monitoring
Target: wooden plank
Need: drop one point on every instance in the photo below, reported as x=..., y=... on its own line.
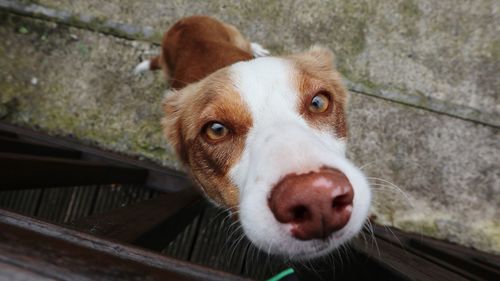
x=65, y=254
x=164, y=232
x=21, y=171
x=333, y=267
x=8, y=134
x=80, y=203
x=463, y=261
x=218, y=244
x=132, y=223
x=18, y=146
x=62, y=205
x=403, y=263
x=260, y=265
x=10, y=272
x=54, y=203
x=158, y=177
x=114, y=196
x=182, y=246
x=23, y=201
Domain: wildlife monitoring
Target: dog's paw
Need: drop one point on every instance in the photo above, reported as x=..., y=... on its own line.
x=258, y=50
x=142, y=67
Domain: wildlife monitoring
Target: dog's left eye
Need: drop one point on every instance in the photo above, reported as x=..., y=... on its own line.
x=215, y=131
x=319, y=103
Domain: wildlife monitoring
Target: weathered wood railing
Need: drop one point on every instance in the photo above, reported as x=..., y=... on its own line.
x=125, y=243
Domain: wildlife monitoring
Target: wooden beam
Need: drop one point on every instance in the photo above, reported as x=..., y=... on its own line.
x=19, y=146
x=21, y=171
x=55, y=252
x=10, y=272
x=402, y=263
x=129, y=223
x=470, y=263
x=162, y=234
x=8, y=134
x=158, y=177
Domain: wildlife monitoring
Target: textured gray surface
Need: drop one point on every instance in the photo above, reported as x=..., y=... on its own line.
x=440, y=49
x=71, y=81
x=84, y=86
x=448, y=169
x=97, y=23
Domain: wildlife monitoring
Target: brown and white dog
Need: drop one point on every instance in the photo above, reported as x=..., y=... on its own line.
x=264, y=137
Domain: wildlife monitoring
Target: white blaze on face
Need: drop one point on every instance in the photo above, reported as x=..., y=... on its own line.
x=281, y=142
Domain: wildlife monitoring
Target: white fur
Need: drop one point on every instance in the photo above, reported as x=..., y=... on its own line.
x=142, y=67
x=281, y=142
x=258, y=50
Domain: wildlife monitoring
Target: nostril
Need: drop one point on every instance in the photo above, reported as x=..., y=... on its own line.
x=341, y=201
x=300, y=213
x=314, y=205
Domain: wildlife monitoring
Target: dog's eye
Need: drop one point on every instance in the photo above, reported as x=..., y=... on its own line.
x=319, y=103
x=215, y=131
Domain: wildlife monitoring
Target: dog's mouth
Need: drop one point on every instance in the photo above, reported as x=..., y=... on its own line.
x=309, y=214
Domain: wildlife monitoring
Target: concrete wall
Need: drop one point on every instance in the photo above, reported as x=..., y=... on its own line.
x=424, y=108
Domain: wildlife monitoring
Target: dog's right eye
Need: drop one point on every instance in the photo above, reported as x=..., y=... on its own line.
x=215, y=131
x=319, y=103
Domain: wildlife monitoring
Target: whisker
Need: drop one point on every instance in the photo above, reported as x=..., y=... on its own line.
x=391, y=185
x=368, y=164
x=374, y=239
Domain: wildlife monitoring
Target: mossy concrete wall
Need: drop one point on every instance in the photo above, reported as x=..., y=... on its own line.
x=72, y=81
x=444, y=49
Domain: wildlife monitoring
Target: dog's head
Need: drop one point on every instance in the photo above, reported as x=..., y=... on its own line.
x=266, y=138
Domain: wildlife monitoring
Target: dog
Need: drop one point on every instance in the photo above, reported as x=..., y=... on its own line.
x=262, y=136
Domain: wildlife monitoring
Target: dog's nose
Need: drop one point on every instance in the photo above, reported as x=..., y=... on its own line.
x=314, y=204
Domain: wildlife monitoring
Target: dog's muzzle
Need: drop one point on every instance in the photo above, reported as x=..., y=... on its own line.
x=315, y=204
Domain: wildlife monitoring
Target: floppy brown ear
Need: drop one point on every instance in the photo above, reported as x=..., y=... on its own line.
x=171, y=123
x=319, y=62
x=319, y=57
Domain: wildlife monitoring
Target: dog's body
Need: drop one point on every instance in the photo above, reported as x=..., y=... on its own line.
x=263, y=137
x=197, y=46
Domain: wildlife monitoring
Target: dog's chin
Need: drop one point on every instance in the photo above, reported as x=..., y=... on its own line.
x=293, y=249
x=273, y=237
x=323, y=248
x=276, y=239
x=318, y=249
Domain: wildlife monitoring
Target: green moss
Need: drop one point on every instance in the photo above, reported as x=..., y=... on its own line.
x=369, y=84
x=27, y=2
x=492, y=231
x=409, y=8
x=105, y=117
x=23, y=30
x=410, y=15
x=9, y=91
x=424, y=225
x=494, y=50
x=9, y=98
x=157, y=37
x=83, y=49
x=357, y=38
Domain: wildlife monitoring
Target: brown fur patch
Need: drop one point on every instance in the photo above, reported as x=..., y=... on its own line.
x=237, y=39
x=186, y=113
x=316, y=74
x=197, y=46
x=192, y=49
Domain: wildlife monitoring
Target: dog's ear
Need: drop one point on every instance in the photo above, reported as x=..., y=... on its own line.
x=319, y=57
x=171, y=122
x=320, y=62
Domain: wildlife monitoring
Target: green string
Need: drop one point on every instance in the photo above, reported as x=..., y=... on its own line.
x=282, y=274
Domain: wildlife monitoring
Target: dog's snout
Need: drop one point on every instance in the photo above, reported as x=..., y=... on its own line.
x=314, y=204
